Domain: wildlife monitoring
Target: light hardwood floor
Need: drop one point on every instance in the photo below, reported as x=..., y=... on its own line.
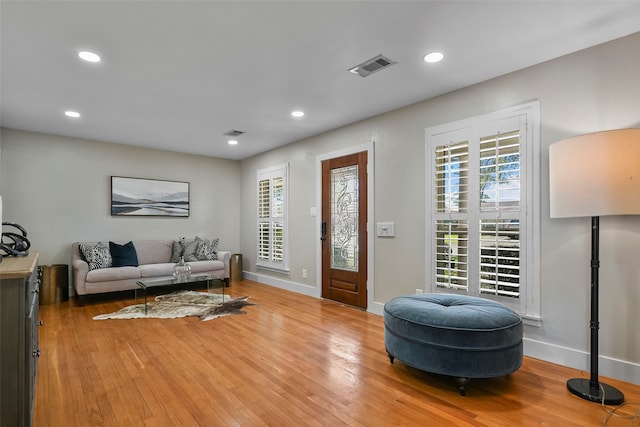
x=292, y=360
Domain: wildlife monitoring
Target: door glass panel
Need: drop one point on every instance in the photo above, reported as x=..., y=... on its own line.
x=344, y=218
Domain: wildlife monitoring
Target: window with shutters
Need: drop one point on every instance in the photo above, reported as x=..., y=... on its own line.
x=481, y=216
x=272, y=218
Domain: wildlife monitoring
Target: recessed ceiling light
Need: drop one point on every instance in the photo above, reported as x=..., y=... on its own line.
x=89, y=56
x=72, y=114
x=232, y=142
x=433, y=57
x=297, y=113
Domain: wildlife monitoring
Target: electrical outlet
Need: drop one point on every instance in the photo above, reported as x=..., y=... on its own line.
x=304, y=273
x=419, y=291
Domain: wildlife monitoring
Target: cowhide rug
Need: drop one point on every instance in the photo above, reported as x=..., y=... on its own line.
x=204, y=305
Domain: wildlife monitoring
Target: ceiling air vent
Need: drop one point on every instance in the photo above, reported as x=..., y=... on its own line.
x=371, y=66
x=233, y=132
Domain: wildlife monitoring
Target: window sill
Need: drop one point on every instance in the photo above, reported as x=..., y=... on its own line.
x=532, y=320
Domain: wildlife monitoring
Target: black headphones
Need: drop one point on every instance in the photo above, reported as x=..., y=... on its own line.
x=15, y=244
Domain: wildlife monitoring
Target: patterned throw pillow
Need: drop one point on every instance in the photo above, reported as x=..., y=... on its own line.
x=97, y=256
x=207, y=251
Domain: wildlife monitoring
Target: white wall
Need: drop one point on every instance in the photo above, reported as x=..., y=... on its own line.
x=588, y=91
x=59, y=189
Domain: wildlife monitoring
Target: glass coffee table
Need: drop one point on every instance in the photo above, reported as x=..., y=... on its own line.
x=213, y=282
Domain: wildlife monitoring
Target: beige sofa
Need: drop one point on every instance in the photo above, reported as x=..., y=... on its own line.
x=154, y=258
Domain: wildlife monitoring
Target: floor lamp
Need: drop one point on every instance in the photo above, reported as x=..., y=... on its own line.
x=594, y=175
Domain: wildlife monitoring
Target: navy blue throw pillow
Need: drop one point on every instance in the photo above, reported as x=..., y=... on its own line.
x=123, y=255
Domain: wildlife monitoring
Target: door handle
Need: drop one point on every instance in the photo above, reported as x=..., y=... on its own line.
x=323, y=231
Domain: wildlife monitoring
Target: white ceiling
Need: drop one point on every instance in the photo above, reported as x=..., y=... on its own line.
x=176, y=75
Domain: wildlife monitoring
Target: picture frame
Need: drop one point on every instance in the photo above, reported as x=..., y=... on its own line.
x=149, y=197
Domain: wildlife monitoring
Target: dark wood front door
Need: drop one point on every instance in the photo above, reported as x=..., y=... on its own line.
x=344, y=229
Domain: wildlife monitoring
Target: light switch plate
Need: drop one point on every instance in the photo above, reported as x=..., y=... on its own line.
x=386, y=229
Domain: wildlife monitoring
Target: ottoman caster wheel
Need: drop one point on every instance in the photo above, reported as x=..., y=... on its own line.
x=462, y=385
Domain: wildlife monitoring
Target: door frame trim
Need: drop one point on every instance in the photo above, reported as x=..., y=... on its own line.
x=369, y=148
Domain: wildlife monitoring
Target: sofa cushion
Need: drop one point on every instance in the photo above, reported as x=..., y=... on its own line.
x=113, y=273
x=206, y=266
x=156, y=270
x=97, y=256
x=123, y=255
x=153, y=251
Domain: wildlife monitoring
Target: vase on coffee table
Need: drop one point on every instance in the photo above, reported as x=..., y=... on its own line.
x=182, y=270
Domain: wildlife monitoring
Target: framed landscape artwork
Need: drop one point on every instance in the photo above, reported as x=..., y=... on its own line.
x=148, y=197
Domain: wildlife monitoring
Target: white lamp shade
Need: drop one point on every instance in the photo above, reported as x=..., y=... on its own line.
x=595, y=174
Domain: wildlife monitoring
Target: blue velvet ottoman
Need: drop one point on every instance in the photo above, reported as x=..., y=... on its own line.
x=457, y=335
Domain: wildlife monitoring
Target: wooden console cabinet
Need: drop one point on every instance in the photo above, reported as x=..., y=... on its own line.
x=19, y=350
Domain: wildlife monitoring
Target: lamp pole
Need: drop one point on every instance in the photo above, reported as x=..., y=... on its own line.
x=593, y=389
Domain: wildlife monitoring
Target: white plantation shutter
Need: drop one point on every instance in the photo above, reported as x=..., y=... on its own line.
x=264, y=198
x=264, y=215
x=272, y=218
x=500, y=255
x=500, y=258
x=277, y=200
x=479, y=232
x=450, y=216
x=452, y=245
x=500, y=171
x=451, y=178
x=264, y=241
x=277, y=248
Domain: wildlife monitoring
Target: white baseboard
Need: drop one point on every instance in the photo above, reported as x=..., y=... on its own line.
x=376, y=308
x=622, y=370
x=607, y=367
x=283, y=284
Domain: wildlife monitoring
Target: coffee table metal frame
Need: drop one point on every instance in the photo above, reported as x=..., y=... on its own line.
x=211, y=281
